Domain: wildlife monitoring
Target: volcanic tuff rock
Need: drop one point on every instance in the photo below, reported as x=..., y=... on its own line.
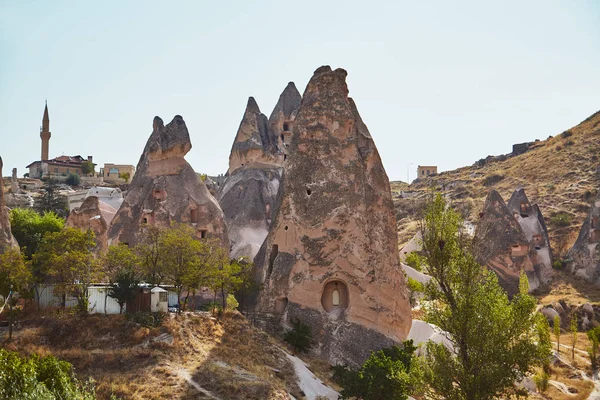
x=331, y=257
x=532, y=222
x=166, y=189
x=281, y=121
x=585, y=253
x=249, y=195
x=95, y=215
x=7, y=240
x=501, y=245
x=254, y=143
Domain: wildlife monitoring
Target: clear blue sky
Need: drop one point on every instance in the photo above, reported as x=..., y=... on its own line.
x=437, y=82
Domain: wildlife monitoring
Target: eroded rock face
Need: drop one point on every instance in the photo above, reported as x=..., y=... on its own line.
x=585, y=253
x=281, y=121
x=501, y=245
x=166, y=189
x=331, y=258
x=255, y=145
x=7, y=240
x=532, y=223
x=95, y=215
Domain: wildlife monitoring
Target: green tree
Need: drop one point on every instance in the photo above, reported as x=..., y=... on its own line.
x=594, y=337
x=29, y=227
x=385, y=375
x=70, y=263
x=415, y=261
x=494, y=341
x=35, y=377
x=300, y=336
x=126, y=176
x=88, y=167
x=229, y=276
x=120, y=268
x=73, y=180
x=14, y=273
x=573, y=335
x=150, y=255
x=556, y=329
x=52, y=201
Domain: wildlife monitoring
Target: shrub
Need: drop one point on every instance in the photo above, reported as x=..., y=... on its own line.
x=561, y=219
x=414, y=261
x=146, y=319
x=566, y=134
x=492, y=179
x=300, y=337
x=557, y=264
x=387, y=374
x=414, y=287
x=73, y=180
x=232, y=303
x=541, y=381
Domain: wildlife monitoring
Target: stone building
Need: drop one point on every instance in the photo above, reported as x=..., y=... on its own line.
x=423, y=171
x=114, y=173
x=331, y=257
x=166, y=189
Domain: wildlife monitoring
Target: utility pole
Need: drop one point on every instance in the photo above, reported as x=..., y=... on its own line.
x=10, y=314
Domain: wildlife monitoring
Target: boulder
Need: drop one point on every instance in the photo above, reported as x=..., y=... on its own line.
x=501, y=245
x=7, y=240
x=95, y=215
x=532, y=223
x=331, y=257
x=584, y=256
x=165, y=189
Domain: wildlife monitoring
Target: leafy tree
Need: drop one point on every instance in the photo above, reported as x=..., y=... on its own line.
x=229, y=276
x=494, y=341
x=150, y=255
x=414, y=261
x=35, y=377
x=300, y=336
x=29, y=227
x=88, y=167
x=386, y=375
x=594, y=336
x=121, y=270
x=73, y=180
x=414, y=287
x=14, y=273
x=556, y=328
x=70, y=264
x=573, y=335
x=125, y=175
x=51, y=201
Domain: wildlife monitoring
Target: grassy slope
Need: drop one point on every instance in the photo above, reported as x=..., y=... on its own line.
x=229, y=358
x=559, y=174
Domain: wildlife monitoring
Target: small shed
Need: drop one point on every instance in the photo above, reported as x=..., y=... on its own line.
x=159, y=300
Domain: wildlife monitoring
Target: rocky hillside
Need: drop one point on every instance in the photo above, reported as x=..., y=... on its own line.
x=560, y=174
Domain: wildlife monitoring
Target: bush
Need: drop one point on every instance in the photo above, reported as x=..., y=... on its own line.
x=566, y=134
x=557, y=264
x=492, y=179
x=146, y=319
x=387, y=374
x=414, y=261
x=212, y=306
x=45, y=378
x=73, y=180
x=232, y=303
x=300, y=337
x=541, y=381
x=561, y=219
x=414, y=287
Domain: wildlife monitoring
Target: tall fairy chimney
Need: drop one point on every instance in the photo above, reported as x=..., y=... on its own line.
x=45, y=134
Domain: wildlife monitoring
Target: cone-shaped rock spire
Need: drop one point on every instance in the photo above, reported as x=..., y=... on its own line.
x=331, y=257
x=7, y=239
x=584, y=256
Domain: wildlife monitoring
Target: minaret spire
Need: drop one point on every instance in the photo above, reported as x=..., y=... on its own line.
x=45, y=133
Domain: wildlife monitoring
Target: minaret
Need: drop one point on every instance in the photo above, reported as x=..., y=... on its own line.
x=45, y=133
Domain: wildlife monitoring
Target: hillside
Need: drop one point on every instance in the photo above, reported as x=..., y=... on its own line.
x=560, y=174
x=188, y=356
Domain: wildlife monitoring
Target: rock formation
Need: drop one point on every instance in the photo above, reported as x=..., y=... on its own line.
x=281, y=121
x=331, y=257
x=254, y=144
x=7, y=239
x=501, y=245
x=532, y=223
x=584, y=256
x=248, y=197
x=95, y=215
x=166, y=189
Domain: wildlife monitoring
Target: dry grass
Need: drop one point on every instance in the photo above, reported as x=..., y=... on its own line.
x=571, y=289
x=228, y=357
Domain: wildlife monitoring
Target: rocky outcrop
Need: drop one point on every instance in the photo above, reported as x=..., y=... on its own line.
x=584, y=256
x=501, y=245
x=532, y=223
x=331, y=257
x=255, y=145
x=7, y=240
x=166, y=189
x=281, y=121
x=95, y=215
